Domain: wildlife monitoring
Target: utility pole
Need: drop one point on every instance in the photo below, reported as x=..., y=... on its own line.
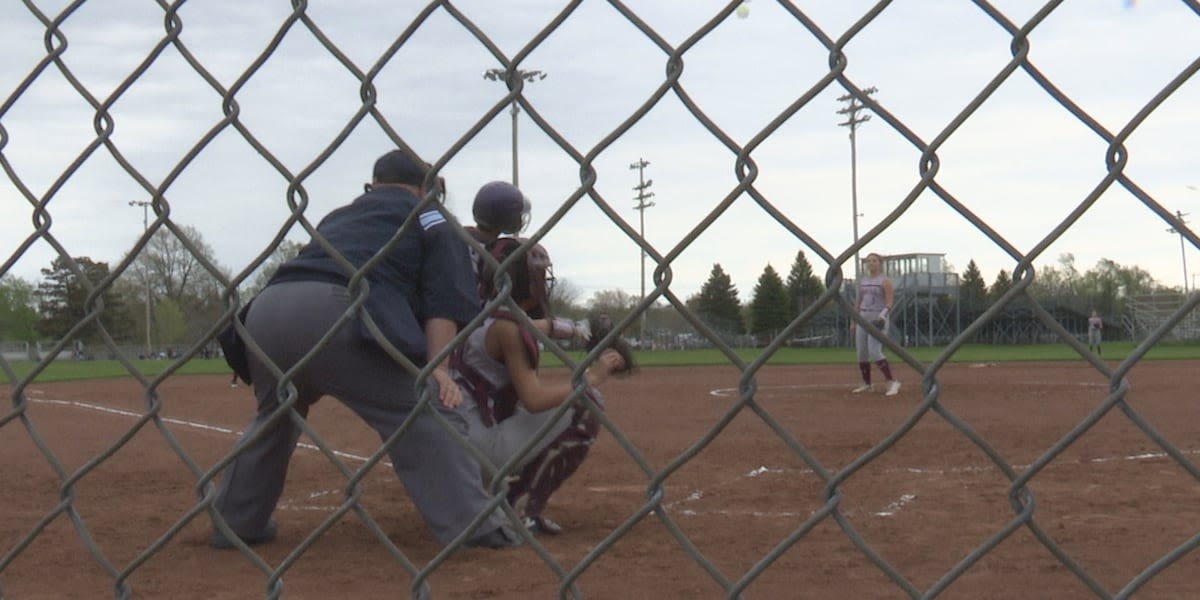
x=641, y=206
x=1182, y=249
x=502, y=75
x=853, y=120
x=145, y=204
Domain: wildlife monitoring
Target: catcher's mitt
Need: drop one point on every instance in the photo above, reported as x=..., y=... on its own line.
x=600, y=326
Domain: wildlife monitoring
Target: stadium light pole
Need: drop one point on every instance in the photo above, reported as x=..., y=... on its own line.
x=641, y=206
x=145, y=204
x=1182, y=248
x=853, y=120
x=502, y=75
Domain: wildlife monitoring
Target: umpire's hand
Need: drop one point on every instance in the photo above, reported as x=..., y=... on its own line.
x=448, y=392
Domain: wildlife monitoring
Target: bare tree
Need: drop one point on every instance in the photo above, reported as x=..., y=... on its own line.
x=170, y=268
x=563, y=299
x=285, y=251
x=617, y=303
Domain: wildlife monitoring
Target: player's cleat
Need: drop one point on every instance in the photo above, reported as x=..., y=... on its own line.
x=866, y=387
x=537, y=525
x=893, y=387
x=220, y=542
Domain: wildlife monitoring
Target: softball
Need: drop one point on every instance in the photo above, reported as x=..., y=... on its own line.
x=743, y=10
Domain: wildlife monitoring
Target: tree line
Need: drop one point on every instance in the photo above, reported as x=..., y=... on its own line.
x=1106, y=288
x=168, y=282
x=775, y=302
x=185, y=298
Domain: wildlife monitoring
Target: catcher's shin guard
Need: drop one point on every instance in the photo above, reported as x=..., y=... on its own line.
x=543, y=475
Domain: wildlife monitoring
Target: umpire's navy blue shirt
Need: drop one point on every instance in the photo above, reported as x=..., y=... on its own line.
x=427, y=274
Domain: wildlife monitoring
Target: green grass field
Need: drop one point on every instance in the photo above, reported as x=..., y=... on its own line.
x=66, y=370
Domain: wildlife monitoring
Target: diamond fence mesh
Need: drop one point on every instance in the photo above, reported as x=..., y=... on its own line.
x=362, y=94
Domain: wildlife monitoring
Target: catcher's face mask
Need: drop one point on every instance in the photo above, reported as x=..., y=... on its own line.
x=532, y=276
x=540, y=273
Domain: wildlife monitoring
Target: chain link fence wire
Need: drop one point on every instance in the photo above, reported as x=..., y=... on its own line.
x=303, y=21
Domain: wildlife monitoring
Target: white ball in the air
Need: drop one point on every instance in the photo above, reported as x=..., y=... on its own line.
x=743, y=10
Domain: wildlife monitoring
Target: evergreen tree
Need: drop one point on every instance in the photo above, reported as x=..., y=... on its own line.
x=803, y=286
x=972, y=290
x=769, y=309
x=1000, y=286
x=718, y=304
x=61, y=301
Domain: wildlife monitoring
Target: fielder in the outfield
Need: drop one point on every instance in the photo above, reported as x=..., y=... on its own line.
x=419, y=296
x=1095, y=332
x=874, y=302
x=508, y=403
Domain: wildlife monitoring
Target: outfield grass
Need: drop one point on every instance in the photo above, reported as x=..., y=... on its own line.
x=69, y=370
x=973, y=353
x=66, y=370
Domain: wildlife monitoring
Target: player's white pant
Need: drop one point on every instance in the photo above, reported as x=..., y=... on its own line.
x=868, y=346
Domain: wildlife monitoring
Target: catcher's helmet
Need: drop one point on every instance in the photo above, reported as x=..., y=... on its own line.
x=501, y=208
x=532, y=275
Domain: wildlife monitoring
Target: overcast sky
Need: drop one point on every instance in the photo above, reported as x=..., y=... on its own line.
x=1020, y=161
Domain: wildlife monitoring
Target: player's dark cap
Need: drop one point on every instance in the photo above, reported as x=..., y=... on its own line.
x=398, y=167
x=501, y=207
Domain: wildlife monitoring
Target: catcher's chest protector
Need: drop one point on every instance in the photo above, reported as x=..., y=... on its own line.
x=496, y=403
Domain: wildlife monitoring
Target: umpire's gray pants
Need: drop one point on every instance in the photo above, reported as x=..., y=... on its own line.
x=287, y=320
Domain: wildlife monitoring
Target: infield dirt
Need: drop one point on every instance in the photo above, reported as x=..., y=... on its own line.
x=932, y=498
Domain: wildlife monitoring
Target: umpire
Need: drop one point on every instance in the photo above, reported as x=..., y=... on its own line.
x=420, y=293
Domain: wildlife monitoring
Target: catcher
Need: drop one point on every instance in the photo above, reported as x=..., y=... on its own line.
x=497, y=367
x=500, y=209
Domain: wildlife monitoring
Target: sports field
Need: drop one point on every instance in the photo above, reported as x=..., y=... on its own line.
x=807, y=492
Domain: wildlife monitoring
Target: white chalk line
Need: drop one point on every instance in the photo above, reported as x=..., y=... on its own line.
x=285, y=504
x=891, y=509
x=897, y=505
x=730, y=392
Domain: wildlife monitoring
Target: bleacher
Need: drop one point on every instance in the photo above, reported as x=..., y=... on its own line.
x=1147, y=313
x=925, y=307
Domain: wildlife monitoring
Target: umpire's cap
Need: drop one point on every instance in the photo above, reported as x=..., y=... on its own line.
x=398, y=167
x=501, y=208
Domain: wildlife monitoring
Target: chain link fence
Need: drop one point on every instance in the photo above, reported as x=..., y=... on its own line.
x=362, y=79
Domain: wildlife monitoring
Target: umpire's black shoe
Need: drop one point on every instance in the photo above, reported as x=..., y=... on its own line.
x=497, y=538
x=542, y=525
x=220, y=542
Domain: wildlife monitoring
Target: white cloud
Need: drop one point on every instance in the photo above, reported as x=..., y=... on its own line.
x=1021, y=161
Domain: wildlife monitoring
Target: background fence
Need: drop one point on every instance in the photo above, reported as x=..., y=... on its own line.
x=368, y=99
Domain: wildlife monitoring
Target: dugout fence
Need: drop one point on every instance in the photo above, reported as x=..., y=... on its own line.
x=359, y=83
